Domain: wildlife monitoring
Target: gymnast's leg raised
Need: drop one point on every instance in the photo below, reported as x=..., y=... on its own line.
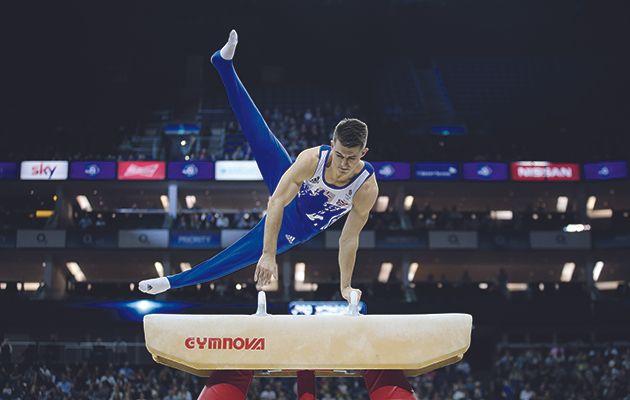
x=273, y=161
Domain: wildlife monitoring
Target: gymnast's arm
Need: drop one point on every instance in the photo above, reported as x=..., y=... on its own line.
x=362, y=203
x=302, y=169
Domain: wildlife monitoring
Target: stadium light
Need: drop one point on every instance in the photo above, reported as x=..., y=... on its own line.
x=597, y=270
x=561, y=205
x=386, y=270
x=164, y=200
x=76, y=271
x=305, y=287
x=501, y=215
x=31, y=286
x=159, y=268
x=300, y=272
x=413, y=268
x=590, y=203
x=84, y=203
x=408, y=202
x=516, y=287
x=592, y=213
x=573, y=228
x=607, y=285
x=191, y=201
x=184, y=266
x=299, y=285
x=600, y=214
x=567, y=272
x=381, y=204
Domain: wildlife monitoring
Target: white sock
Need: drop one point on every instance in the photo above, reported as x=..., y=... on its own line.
x=154, y=286
x=227, y=51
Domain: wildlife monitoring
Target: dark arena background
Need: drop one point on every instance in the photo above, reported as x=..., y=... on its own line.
x=499, y=132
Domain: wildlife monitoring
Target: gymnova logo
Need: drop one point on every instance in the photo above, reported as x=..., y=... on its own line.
x=226, y=343
x=190, y=170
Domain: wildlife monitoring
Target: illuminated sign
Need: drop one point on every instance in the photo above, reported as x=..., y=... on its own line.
x=191, y=170
x=606, y=170
x=93, y=170
x=237, y=171
x=437, y=171
x=485, y=171
x=44, y=170
x=141, y=170
x=544, y=171
x=392, y=171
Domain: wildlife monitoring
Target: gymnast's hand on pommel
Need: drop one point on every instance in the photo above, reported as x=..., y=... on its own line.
x=345, y=293
x=266, y=270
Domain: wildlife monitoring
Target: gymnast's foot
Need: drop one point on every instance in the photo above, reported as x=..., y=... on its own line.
x=154, y=286
x=227, y=51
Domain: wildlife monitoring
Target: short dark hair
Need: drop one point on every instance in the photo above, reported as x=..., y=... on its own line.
x=351, y=132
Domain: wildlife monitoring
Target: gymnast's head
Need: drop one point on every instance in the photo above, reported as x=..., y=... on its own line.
x=348, y=145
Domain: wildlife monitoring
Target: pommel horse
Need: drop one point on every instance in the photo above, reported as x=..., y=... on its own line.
x=350, y=345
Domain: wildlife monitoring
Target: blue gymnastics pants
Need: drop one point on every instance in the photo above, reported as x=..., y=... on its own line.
x=273, y=160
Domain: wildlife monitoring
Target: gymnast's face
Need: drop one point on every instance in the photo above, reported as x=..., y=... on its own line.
x=346, y=159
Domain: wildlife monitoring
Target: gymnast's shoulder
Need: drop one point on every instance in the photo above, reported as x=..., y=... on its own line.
x=367, y=193
x=309, y=157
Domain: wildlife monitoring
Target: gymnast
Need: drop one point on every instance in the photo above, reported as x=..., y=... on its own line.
x=308, y=195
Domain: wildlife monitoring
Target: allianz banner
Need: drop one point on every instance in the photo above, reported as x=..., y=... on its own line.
x=41, y=238
x=195, y=239
x=453, y=240
x=7, y=239
x=367, y=239
x=143, y=238
x=93, y=170
x=92, y=239
x=559, y=240
x=402, y=240
x=191, y=170
x=392, y=171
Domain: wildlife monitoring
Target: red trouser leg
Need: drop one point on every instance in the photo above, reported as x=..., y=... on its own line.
x=306, y=385
x=223, y=385
x=388, y=385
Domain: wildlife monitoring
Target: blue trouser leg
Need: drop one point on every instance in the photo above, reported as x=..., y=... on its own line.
x=273, y=160
x=245, y=251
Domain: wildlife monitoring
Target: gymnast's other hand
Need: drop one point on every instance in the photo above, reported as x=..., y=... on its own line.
x=266, y=270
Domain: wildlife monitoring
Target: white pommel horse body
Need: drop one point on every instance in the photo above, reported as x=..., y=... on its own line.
x=329, y=345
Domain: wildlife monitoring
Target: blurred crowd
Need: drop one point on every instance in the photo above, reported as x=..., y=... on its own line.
x=547, y=372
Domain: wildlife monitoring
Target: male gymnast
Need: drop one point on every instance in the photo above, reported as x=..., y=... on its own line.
x=308, y=195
